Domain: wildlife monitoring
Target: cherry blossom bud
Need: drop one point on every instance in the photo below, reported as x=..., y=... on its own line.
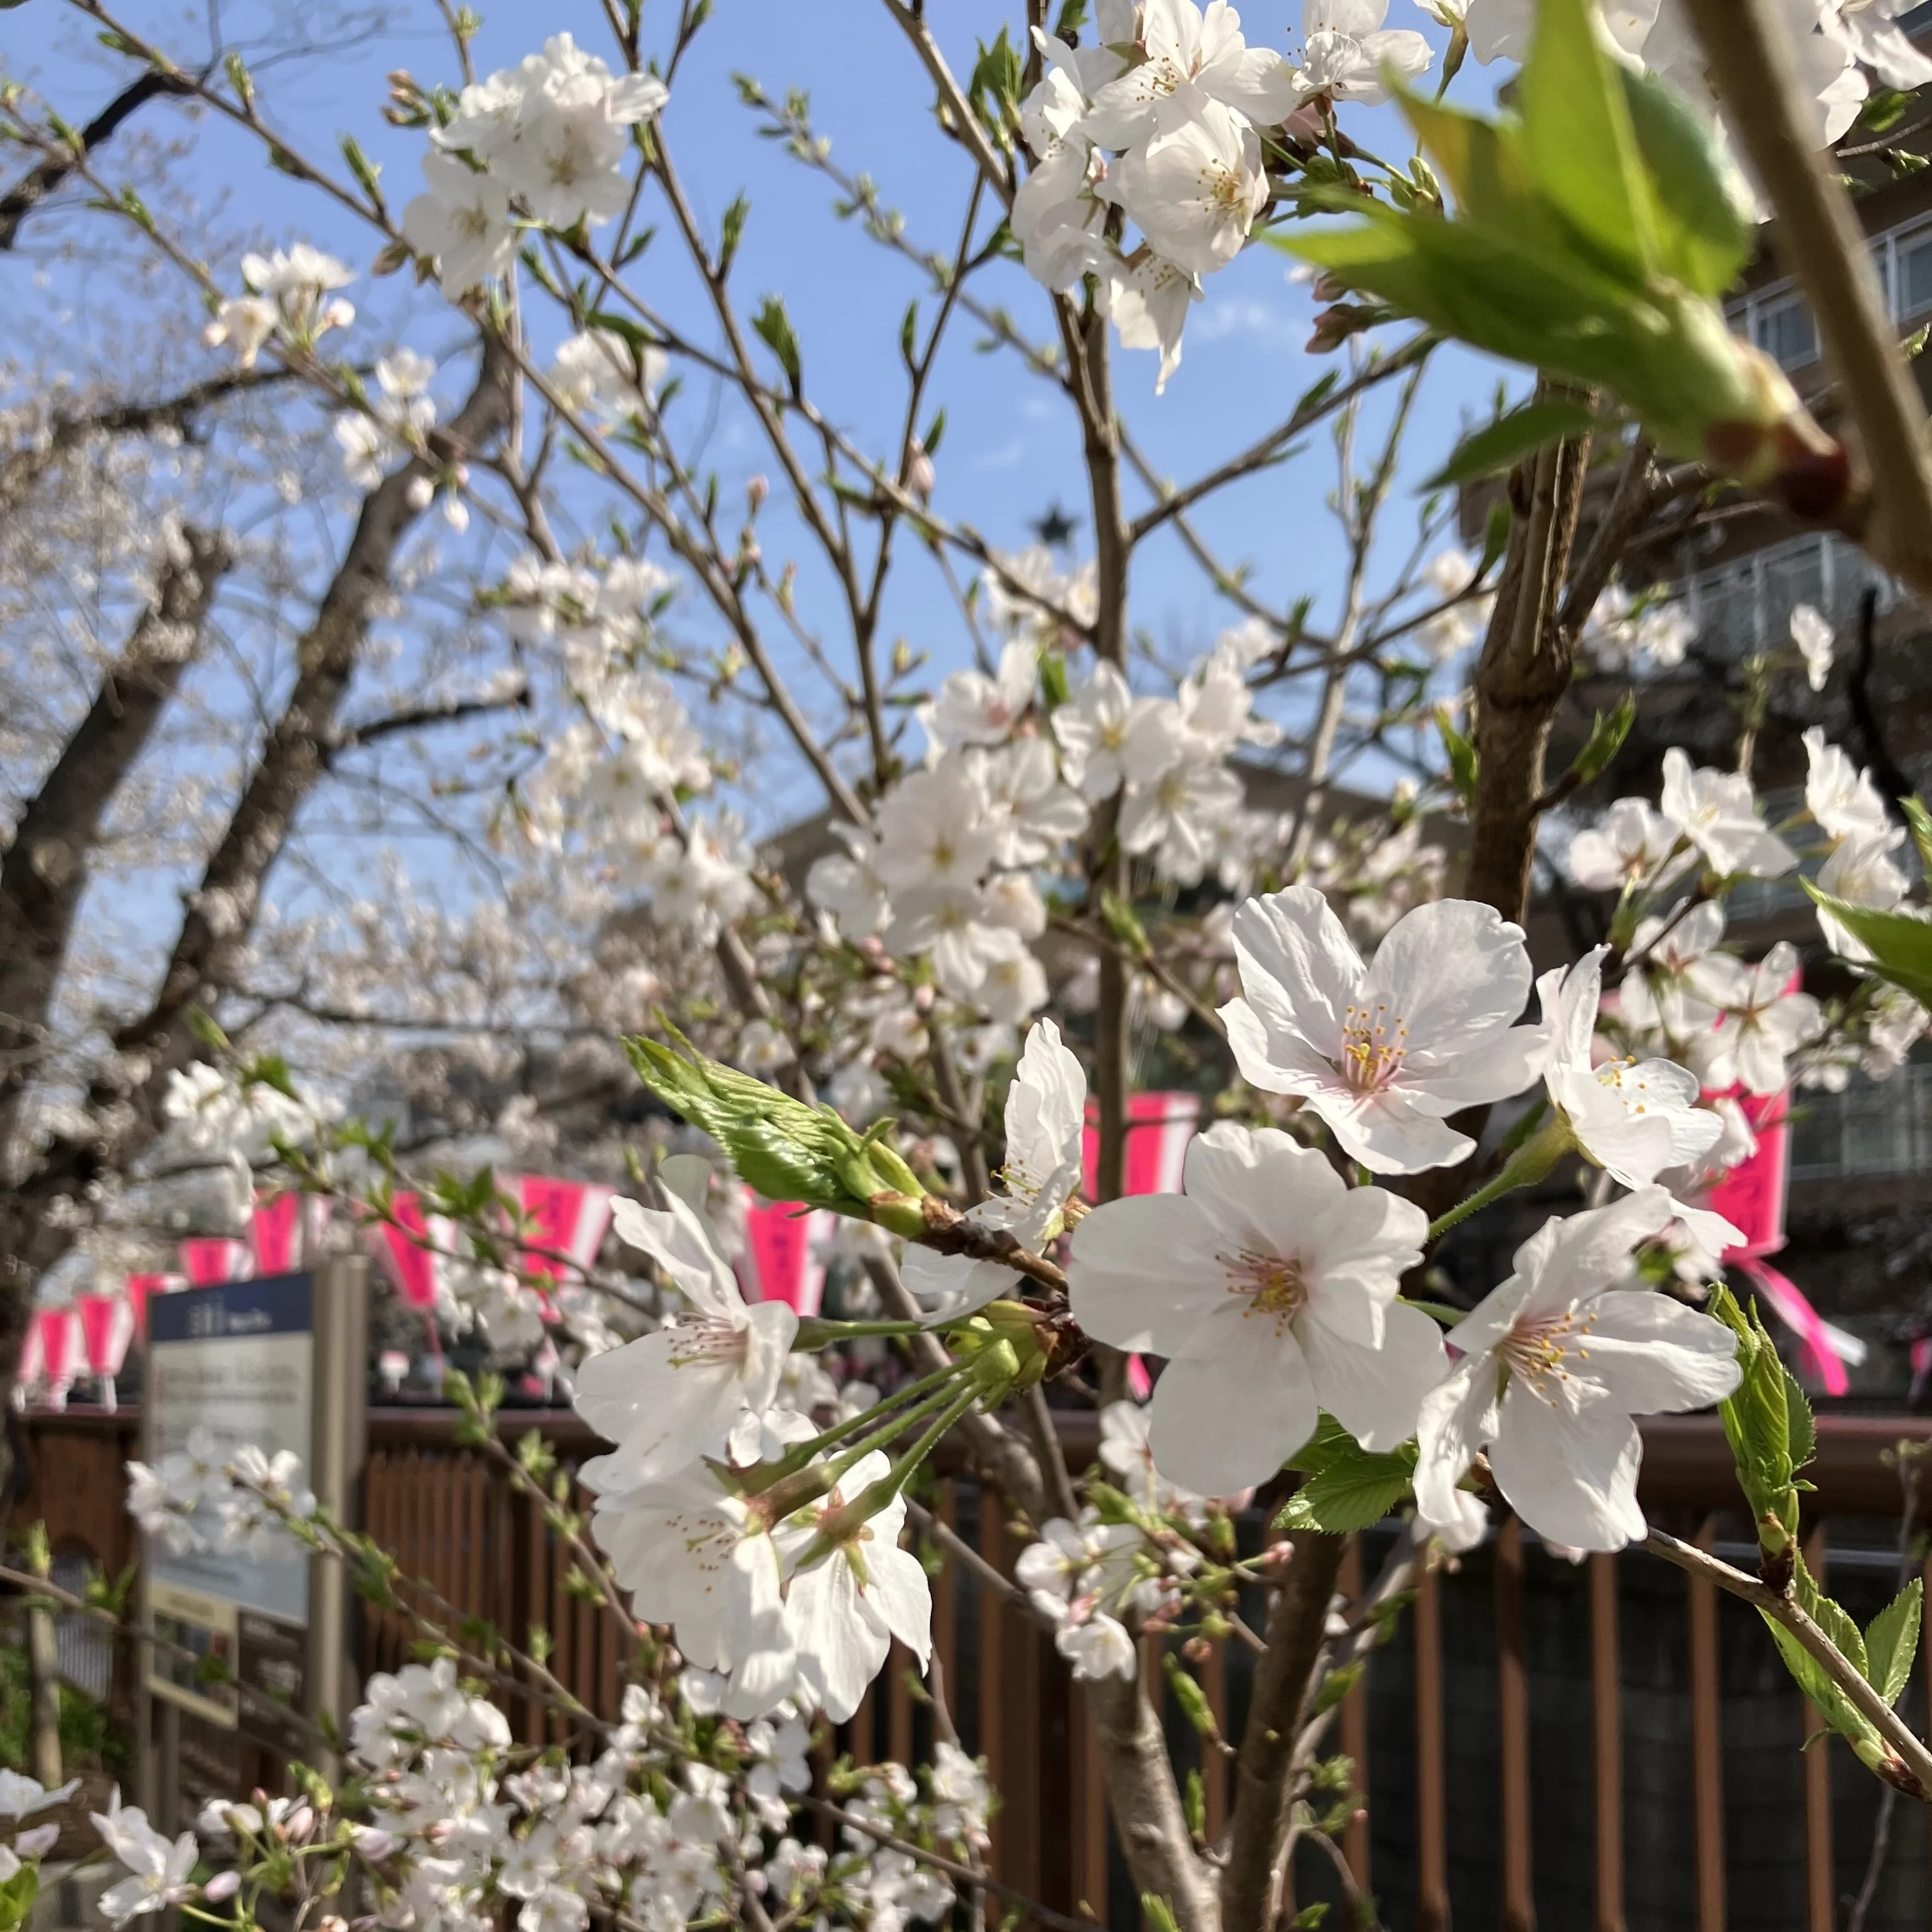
x=422, y=493
x=223, y=1885
x=920, y=476
x=756, y=491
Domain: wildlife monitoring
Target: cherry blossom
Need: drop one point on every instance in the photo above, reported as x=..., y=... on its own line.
x=1767, y=1020
x=1840, y=796
x=669, y=1398
x=1271, y=1285
x=1348, y=53
x=1384, y=1053
x=1812, y=634
x=1633, y=1118
x=1195, y=189
x=1045, y=1115
x=1555, y=1361
x=1630, y=848
x=1717, y=812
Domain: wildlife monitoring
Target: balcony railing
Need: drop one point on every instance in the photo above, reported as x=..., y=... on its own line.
x=1743, y=608
x=1874, y=1127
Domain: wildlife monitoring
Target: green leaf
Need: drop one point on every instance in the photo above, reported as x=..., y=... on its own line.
x=774, y=329
x=1501, y=444
x=1355, y=1488
x=1336, y=1686
x=993, y=92
x=1706, y=219
x=1158, y=1913
x=732, y=233
x=1900, y=946
x=18, y=1894
x=1194, y=1804
x=1495, y=536
x=1461, y=755
x=1920, y=820
x=1607, y=738
x=1189, y=1696
x=1891, y=1642
x=1578, y=139
x=1763, y=1427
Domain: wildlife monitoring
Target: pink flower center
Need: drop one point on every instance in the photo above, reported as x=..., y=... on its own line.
x=708, y=1341
x=1275, y=1285
x=1374, y=1042
x=1536, y=1347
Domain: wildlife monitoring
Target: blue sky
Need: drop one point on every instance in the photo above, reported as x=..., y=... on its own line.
x=1011, y=447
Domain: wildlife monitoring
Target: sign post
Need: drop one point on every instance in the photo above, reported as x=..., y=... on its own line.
x=278, y=1362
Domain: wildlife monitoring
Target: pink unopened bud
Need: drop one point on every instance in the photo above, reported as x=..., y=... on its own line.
x=223, y=1885
x=920, y=476
x=756, y=491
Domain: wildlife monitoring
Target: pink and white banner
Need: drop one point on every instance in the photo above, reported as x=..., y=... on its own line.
x=783, y=1261
x=209, y=1260
x=141, y=1286
x=1751, y=1196
x=571, y=1218
x=411, y=1267
x=287, y=1229
x=106, y=1328
x=1825, y=1347
x=1159, y=1125
x=58, y=1352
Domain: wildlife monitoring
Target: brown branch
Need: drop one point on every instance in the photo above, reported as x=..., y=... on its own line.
x=215, y=932
x=1269, y=449
x=1819, y=239
x=1138, y=1780
x=1297, y=1622
x=47, y=869
x=354, y=737
x=38, y=183
x=1523, y=672
x=1914, y=1769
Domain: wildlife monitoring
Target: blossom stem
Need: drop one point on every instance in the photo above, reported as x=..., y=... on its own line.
x=816, y=1332
x=877, y=1423
x=1527, y=1165
x=897, y=1425
x=1441, y=1310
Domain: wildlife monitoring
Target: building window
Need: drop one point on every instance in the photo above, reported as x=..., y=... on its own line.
x=1743, y=608
x=1874, y=1127
x=1782, y=327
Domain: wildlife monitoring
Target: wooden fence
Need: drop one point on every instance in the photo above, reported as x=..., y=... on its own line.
x=1604, y=1745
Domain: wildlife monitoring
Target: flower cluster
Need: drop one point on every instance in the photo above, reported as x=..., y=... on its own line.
x=203, y=1497
x=22, y=1797
x=680, y=1814
x=288, y=301
x=548, y=137
x=1173, y=119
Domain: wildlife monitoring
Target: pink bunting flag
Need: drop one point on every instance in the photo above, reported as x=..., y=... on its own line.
x=412, y=1268
x=1751, y=1197
x=209, y=1260
x=140, y=1286
x=1751, y=1194
x=61, y=1356
x=31, y=1365
x=288, y=1227
x=572, y=1218
x=783, y=1260
x=106, y=1327
x=1825, y=1347
x=1159, y=1125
